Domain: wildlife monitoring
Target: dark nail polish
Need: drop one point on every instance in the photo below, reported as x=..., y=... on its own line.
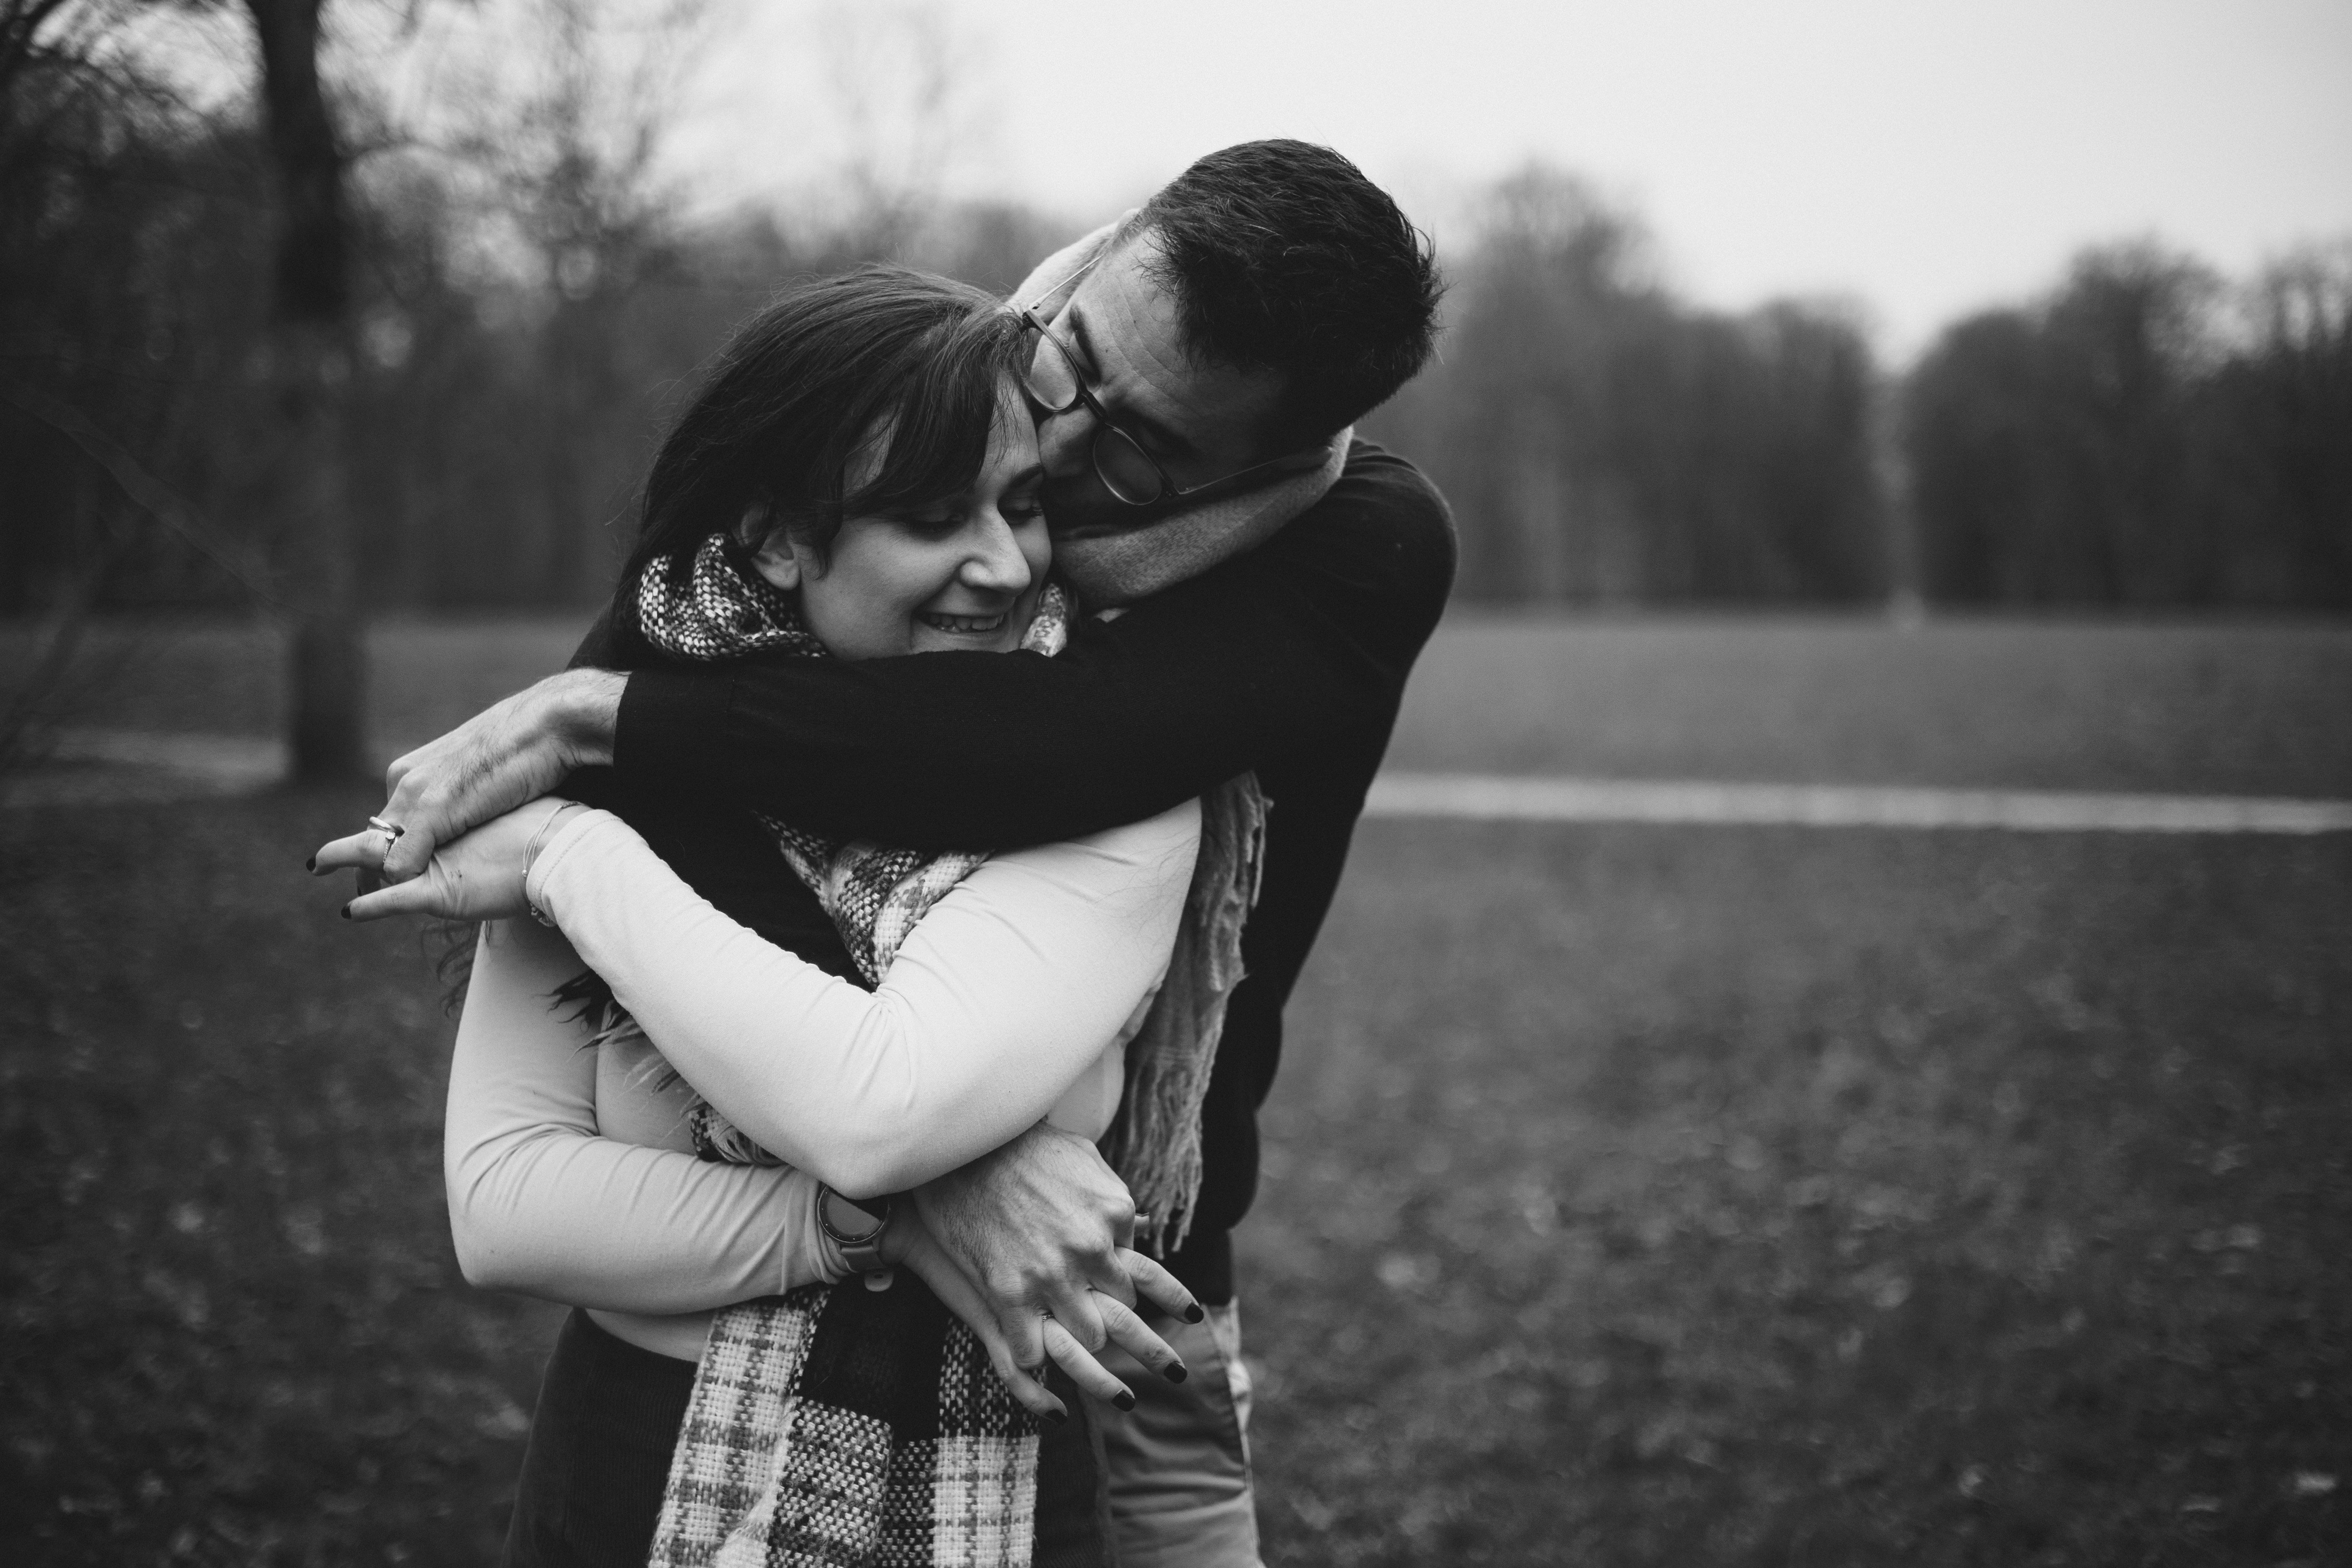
x=1194, y=1314
x=312, y=863
x=1176, y=1373
x=1059, y=1417
x=1123, y=1399
x=347, y=911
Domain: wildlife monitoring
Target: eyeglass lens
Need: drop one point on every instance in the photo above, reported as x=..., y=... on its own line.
x=1124, y=469
x=1130, y=475
x=1050, y=378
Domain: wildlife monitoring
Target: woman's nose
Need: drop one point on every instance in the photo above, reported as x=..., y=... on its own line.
x=995, y=563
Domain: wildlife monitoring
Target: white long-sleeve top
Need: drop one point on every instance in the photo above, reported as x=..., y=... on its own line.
x=570, y=1175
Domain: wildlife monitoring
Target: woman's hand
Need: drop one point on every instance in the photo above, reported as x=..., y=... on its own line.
x=476, y=877
x=909, y=1244
x=1043, y=1225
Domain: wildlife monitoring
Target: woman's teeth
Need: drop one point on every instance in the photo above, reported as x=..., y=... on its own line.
x=965, y=625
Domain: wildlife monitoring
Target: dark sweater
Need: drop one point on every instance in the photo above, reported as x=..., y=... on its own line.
x=1290, y=661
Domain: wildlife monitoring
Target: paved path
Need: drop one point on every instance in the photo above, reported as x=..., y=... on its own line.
x=1492, y=797
x=131, y=765
x=118, y=767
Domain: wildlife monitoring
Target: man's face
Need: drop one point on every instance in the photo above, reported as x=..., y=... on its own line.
x=1200, y=421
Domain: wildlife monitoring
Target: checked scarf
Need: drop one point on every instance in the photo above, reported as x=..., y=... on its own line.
x=840, y=1426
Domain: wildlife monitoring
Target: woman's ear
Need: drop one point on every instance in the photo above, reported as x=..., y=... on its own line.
x=770, y=546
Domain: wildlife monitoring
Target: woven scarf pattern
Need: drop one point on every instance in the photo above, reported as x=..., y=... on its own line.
x=841, y=1426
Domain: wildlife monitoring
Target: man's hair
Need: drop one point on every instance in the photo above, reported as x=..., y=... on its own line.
x=1282, y=256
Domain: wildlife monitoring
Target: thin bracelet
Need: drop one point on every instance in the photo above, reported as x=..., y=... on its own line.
x=530, y=855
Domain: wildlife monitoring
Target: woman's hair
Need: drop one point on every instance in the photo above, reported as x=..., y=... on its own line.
x=880, y=362
x=907, y=362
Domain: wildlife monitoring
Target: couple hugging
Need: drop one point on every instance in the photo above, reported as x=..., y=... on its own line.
x=869, y=1048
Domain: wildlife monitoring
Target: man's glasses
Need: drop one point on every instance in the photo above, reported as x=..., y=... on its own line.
x=1057, y=382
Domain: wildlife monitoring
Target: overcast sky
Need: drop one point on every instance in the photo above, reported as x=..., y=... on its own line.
x=1922, y=156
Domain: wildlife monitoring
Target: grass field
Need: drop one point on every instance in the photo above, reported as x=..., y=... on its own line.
x=1634, y=1195
x=2186, y=707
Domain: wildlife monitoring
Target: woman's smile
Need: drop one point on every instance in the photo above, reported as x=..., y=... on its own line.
x=965, y=625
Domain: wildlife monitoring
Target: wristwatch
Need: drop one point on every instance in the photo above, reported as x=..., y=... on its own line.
x=856, y=1226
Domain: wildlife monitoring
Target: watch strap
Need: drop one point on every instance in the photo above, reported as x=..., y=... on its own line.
x=856, y=1226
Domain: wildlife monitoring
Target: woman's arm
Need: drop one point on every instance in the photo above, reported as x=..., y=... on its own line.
x=1006, y=991
x=538, y=1203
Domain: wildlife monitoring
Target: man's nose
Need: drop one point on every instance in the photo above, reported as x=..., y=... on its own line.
x=995, y=563
x=1063, y=441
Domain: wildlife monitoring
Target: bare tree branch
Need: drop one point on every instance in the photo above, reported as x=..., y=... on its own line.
x=148, y=494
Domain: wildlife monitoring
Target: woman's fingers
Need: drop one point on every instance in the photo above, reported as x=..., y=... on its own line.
x=1085, y=1371
x=1131, y=1334
x=417, y=896
x=957, y=1295
x=917, y=1249
x=1154, y=1284
x=362, y=851
x=1079, y=1309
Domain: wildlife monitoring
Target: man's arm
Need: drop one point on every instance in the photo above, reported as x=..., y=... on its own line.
x=1274, y=654
x=508, y=755
x=1278, y=653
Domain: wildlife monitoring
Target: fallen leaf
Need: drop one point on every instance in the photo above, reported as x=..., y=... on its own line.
x=1407, y=1272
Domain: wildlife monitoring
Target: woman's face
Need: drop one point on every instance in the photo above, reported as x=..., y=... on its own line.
x=962, y=573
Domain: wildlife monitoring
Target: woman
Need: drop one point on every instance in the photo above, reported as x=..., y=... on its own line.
x=859, y=478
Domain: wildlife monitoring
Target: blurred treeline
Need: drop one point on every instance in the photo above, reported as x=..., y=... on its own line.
x=529, y=304
x=1602, y=441
x=2145, y=435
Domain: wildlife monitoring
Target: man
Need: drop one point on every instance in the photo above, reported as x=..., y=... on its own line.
x=1252, y=309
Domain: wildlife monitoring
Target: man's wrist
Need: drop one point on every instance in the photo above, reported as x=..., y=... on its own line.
x=583, y=712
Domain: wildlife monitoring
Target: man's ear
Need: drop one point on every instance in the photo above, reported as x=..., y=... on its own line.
x=771, y=547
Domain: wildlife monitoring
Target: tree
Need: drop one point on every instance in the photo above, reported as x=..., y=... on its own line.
x=2286, y=400
x=898, y=93
x=118, y=267
x=2067, y=452
x=1602, y=441
x=311, y=360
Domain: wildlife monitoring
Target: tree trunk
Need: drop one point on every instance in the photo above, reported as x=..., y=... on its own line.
x=311, y=362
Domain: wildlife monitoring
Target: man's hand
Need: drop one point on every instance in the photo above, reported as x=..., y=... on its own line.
x=496, y=761
x=1042, y=1227
x=476, y=876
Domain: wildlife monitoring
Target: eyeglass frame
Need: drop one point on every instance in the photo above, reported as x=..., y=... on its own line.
x=1298, y=462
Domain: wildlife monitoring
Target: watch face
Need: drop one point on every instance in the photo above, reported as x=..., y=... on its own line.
x=849, y=1220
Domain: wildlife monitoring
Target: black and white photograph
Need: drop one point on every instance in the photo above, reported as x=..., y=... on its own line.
x=1270, y=783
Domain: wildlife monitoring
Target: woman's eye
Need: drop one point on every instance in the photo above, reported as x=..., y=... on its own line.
x=1024, y=507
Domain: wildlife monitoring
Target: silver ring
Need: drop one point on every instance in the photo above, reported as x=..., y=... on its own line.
x=392, y=831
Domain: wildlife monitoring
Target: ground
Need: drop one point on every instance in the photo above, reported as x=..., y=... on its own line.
x=1632, y=1195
